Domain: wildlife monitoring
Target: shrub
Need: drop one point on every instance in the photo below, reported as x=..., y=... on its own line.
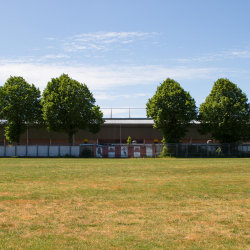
x=129, y=140
x=86, y=153
x=166, y=151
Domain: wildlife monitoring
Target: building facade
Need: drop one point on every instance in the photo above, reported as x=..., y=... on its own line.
x=113, y=131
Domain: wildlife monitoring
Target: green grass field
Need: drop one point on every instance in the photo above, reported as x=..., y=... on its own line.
x=124, y=203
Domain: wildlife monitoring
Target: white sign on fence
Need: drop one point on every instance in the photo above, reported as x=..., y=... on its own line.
x=111, y=152
x=137, y=152
x=124, y=151
x=149, y=151
x=99, y=152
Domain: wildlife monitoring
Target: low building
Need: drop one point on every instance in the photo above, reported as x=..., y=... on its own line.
x=112, y=131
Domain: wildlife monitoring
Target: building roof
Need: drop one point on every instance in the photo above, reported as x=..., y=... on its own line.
x=128, y=121
x=133, y=121
x=124, y=121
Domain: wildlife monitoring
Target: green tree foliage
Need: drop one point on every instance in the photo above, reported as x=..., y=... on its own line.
x=166, y=151
x=129, y=140
x=172, y=110
x=19, y=106
x=226, y=113
x=69, y=106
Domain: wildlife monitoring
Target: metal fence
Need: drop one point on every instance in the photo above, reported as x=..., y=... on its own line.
x=83, y=150
x=127, y=151
x=38, y=151
x=203, y=150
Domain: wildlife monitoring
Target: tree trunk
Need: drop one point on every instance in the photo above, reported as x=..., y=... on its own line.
x=70, y=140
x=70, y=136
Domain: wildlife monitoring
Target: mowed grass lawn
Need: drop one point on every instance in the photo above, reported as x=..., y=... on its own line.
x=124, y=203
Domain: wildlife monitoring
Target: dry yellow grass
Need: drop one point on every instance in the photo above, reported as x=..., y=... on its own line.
x=125, y=204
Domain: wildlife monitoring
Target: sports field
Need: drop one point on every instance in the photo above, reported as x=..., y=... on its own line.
x=124, y=203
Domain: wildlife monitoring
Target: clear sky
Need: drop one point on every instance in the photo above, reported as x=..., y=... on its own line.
x=123, y=49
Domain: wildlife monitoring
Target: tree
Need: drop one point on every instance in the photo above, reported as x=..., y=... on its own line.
x=19, y=106
x=129, y=141
x=69, y=106
x=172, y=110
x=226, y=113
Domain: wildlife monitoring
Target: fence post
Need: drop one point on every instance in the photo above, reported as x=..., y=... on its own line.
x=26, y=150
x=48, y=150
x=4, y=154
x=70, y=150
x=153, y=150
x=59, y=153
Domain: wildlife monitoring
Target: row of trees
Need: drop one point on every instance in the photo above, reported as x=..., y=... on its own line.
x=225, y=113
x=65, y=106
x=68, y=106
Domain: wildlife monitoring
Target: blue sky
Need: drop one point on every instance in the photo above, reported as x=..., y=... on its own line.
x=122, y=50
